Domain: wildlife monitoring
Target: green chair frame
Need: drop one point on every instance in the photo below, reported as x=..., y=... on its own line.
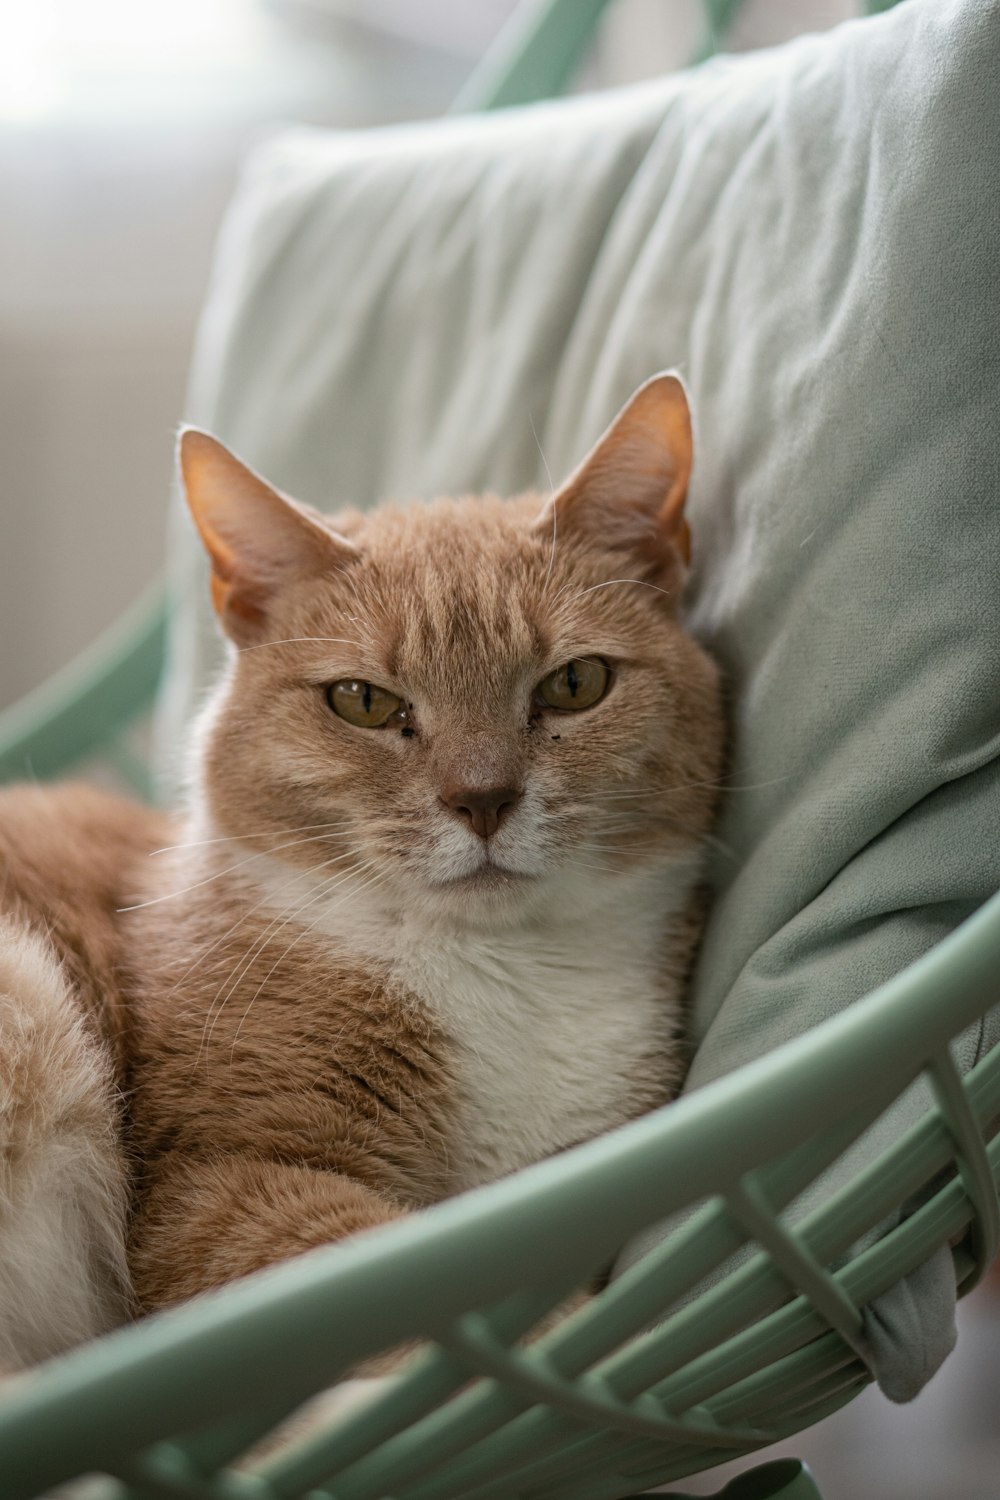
x=743, y=1327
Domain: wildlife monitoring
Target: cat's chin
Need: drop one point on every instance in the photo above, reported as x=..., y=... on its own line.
x=492, y=896
x=486, y=878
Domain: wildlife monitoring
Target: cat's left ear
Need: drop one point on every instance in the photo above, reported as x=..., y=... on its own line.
x=258, y=540
x=630, y=490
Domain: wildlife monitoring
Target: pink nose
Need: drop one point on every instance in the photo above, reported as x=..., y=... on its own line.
x=483, y=806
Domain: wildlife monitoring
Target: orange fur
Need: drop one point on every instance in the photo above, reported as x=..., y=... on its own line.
x=341, y=976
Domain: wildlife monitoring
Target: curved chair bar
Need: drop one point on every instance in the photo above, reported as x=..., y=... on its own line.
x=535, y=55
x=84, y=707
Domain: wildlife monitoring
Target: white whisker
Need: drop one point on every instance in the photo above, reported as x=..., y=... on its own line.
x=171, y=895
x=541, y=452
x=280, y=920
x=598, y=799
x=295, y=640
x=552, y=549
x=548, y=475
x=307, y=930
x=230, y=838
x=294, y=877
x=609, y=582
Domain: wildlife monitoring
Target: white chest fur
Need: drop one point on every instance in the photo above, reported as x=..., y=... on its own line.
x=554, y=1034
x=557, y=1026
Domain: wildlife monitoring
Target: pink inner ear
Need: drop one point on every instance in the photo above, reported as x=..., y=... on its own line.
x=245, y=602
x=631, y=488
x=256, y=538
x=249, y=528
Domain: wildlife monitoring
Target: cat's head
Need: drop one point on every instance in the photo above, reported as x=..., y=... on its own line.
x=474, y=708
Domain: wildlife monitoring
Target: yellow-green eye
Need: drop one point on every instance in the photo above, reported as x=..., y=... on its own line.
x=362, y=703
x=577, y=684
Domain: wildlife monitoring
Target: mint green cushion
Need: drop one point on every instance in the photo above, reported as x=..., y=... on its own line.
x=810, y=234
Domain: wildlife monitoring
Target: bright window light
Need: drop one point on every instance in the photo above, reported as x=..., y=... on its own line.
x=103, y=56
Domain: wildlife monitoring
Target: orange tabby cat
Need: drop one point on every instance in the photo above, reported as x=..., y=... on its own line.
x=427, y=916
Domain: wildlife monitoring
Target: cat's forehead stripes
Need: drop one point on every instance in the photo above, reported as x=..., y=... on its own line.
x=460, y=622
x=463, y=601
x=473, y=640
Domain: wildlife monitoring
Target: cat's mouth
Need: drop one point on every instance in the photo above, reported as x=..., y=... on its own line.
x=487, y=877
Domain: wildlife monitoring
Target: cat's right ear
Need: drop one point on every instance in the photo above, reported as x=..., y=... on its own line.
x=257, y=539
x=629, y=492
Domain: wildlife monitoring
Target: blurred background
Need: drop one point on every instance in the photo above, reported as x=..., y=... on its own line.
x=121, y=129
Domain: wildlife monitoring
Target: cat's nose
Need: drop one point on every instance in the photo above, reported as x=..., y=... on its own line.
x=483, y=806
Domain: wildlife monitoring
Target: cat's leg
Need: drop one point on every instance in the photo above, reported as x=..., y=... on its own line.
x=206, y=1221
x=63, y=1275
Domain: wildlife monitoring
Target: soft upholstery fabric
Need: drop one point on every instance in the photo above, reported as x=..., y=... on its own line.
x=810, y=235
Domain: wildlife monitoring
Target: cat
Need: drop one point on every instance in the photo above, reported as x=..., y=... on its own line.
x=426, y=918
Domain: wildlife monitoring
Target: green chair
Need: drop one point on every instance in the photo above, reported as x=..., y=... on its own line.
x=743, y=1327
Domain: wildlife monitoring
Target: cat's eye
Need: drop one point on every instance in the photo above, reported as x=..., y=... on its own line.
x=362, y=703
x=579, y=683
